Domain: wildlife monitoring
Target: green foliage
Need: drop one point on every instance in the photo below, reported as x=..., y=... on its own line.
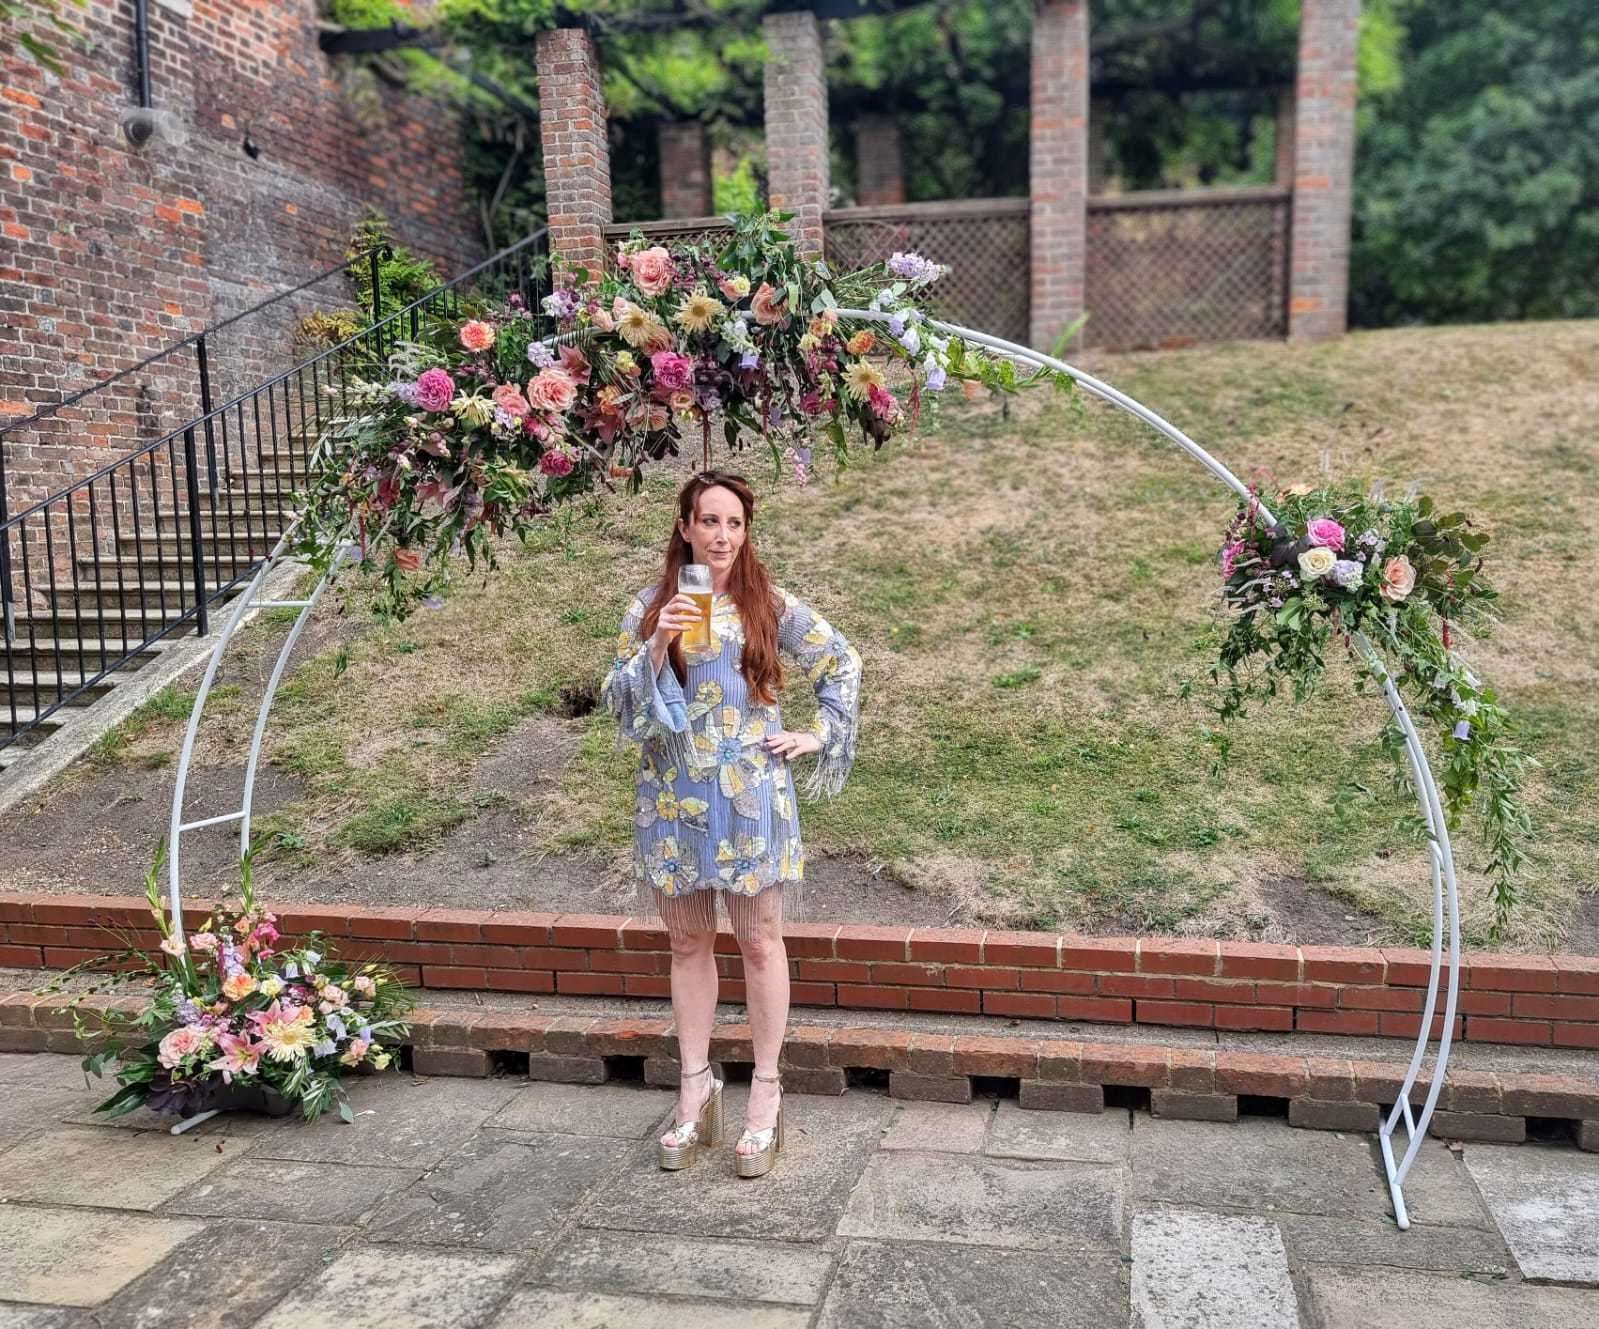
x=403, y=277
x=1477, y=177
x=36, y=11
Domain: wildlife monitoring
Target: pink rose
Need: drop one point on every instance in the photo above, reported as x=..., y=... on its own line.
x=652, y=270
x=602, y=320
x=1398, y=579
x=508, y=397
x=408, y=560
x=555, y=462
x=575, y=364
x=672, y=371
x=552, y=390
x=435, y=390
x=477, y=335
x=768, y=305
x=1327, y=533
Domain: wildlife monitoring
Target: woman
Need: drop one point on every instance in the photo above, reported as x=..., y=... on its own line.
x=716, y=808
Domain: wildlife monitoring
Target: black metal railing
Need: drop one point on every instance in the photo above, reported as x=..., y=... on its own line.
x=97, y=574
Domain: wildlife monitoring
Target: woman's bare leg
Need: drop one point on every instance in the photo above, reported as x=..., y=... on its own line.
x=758, y=925
x=691, y=922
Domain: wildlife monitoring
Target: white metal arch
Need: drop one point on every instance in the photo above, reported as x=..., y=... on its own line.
x=1440, y=856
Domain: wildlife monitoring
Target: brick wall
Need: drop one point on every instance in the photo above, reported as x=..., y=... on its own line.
x=577, y=159
x=879, y=162
x=797, y=165
x=1548, y=1000
x=110, y=254
x=1058, y=166
x=1323, y=163
x=685, y=170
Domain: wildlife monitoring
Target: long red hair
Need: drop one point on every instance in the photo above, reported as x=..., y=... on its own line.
x=748, y=583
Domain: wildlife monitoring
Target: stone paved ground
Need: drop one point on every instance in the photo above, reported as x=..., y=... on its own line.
x=502, y=1203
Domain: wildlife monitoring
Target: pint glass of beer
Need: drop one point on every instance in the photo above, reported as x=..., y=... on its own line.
x=694, y=581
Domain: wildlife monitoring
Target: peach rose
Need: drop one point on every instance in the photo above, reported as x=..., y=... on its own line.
x=860, y=343
x=508, y=397
x=768, y=305
x=477, y=335
x=552, y=390
x=408, y=560
x=1398, y=579
x=652, y=270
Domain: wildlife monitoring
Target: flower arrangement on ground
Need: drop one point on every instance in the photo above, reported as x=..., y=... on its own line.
x=229, y=1012
x=490, y=423
x=1405, y=578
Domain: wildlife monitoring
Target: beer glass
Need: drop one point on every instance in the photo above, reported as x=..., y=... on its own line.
x=694, y=581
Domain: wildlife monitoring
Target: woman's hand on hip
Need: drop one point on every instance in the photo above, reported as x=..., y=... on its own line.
x=786, y=743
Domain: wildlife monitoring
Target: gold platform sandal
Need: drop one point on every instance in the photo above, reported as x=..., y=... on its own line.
x=768, y=1143
x=704, y=1132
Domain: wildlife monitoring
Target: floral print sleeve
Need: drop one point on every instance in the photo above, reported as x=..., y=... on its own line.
x=833, y=667
x=648, y=705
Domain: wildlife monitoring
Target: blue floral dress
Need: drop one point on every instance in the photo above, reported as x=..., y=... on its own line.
x=715, y=810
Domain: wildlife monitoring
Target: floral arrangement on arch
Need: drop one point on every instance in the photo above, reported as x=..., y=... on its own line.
x=233, y=1020
x=489, y=424
x=1407, y=578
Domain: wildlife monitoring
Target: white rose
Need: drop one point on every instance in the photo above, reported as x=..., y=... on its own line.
x=1316, y=562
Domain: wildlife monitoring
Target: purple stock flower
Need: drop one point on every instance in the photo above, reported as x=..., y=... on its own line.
x=1347, y=573
x=539, y=355
x=749, y=360
x=896, y=325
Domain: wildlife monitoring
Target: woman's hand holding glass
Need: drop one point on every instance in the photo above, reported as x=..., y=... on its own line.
x=678, y=615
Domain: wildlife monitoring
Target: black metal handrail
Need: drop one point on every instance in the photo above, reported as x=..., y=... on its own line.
x=89, y=564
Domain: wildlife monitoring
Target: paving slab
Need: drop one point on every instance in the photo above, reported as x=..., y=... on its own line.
x=1076, y=1137
x=46, y=1070
x=27, y=1109
x=225, y=1277
x=80, y=1257
x=668, y=1266
x=1372, y=1241
x=1263, y=1164
x=946, y=1128
x=915, y=1285
x=1210, y=1271
x=1546, y=1202
x=628, y=1111
x=275, y=1188
x=399, y=1122
x=502, y=1191
x=552, y=1308
x=16, y=1316
x=1343, y=1298
x=379, y=1287
x=828, y=1143
x=986, y=1202
x=95, y=1165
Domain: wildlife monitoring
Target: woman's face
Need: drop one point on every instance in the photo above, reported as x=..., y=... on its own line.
x=717, y=532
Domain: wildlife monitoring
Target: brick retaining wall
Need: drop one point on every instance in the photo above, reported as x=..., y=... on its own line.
x=1548, y=1000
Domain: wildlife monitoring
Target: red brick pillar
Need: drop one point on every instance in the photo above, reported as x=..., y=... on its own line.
x=879, y=162
x=1284, y=172
x=577, y=161
x=1324, y=158
x=685, y=169
x=797, y=173
x=1058, y=163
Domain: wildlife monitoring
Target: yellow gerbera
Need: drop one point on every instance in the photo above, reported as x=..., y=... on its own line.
x=699, y=312
x=860, y=378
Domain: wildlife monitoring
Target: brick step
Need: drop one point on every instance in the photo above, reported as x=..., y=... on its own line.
x=1059, y=1074
x=259, y=538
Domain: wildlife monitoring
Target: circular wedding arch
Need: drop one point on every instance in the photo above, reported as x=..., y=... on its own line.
x=1445, y=894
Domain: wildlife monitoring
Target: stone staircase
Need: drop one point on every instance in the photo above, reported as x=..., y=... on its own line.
x=125, y=594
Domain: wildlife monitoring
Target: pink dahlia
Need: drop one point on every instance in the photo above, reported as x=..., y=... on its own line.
x=672, y=371
x=435, y=390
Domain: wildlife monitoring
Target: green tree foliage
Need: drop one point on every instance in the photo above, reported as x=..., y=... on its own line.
x=1477, y=177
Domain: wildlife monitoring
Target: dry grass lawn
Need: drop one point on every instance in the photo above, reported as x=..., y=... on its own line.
x=1029, y=591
